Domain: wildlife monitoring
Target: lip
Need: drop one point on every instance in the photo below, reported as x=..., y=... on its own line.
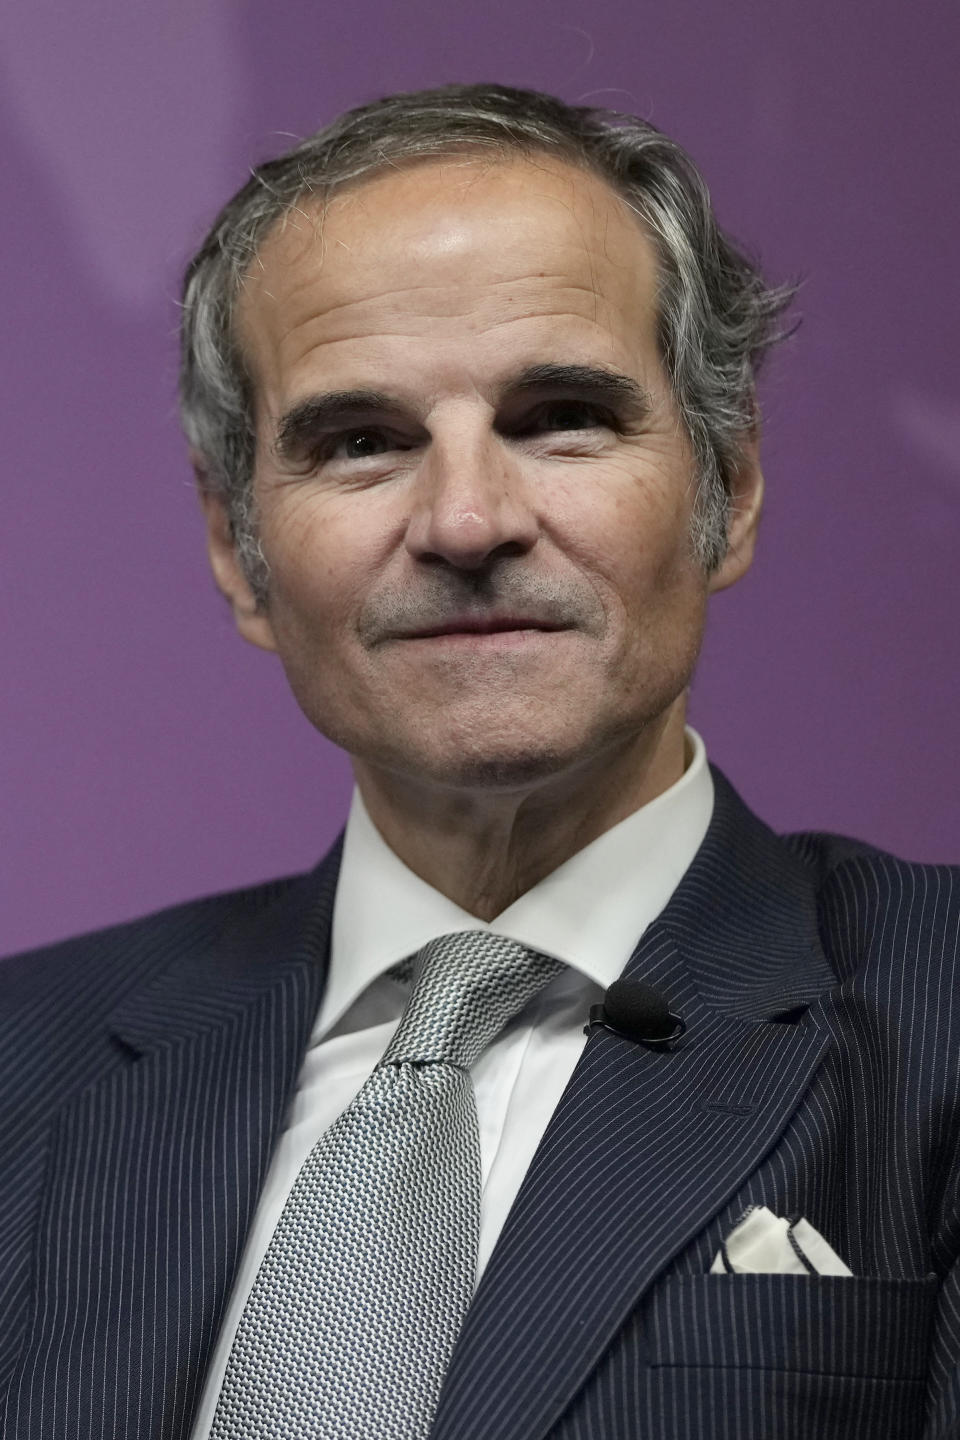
x=482, y=628
x=484, y=637
x=487, y=644
x=485, y=640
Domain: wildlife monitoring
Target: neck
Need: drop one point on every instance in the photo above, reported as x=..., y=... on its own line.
x=484, y=849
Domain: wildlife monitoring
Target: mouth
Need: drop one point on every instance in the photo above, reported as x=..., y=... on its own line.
x=474, y=626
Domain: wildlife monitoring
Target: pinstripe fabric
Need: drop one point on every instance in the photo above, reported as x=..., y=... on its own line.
x=819, y=1073
x=151, y=1066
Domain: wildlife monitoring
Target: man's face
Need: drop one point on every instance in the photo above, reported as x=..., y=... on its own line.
x=474, y=491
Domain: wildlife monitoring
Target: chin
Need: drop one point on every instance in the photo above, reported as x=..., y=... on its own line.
x=503, y=769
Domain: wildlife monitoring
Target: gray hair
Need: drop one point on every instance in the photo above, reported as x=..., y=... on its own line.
x=716, y=316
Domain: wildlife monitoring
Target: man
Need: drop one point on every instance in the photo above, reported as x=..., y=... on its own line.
x=468, y=381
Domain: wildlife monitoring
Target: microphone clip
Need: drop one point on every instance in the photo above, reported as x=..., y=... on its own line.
x=636, y=1011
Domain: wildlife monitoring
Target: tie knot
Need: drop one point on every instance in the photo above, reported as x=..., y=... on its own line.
x=469, y=985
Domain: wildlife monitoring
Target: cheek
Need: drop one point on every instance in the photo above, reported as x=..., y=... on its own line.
x=322, y=554
x=632, y=536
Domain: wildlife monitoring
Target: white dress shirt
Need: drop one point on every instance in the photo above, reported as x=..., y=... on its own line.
x=590, y=913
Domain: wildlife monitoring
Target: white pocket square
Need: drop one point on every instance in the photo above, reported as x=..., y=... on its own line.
x=767, y=1244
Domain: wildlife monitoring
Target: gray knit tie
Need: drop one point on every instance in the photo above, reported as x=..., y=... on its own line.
x=352, y=1319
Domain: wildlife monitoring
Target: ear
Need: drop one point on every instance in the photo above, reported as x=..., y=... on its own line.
x=746, y=504
x=251, y=620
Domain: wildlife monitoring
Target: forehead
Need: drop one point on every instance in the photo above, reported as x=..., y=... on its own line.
x=519, y=254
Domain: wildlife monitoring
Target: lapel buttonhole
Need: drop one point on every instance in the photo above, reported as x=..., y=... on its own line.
x=789, y=1017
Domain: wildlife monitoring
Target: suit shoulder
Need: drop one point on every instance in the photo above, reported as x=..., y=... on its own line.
x=120, y=956
x=837, y=858
x=59, y=1004
x=873, y=903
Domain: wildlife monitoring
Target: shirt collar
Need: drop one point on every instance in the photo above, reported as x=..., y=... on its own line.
x=589, y=912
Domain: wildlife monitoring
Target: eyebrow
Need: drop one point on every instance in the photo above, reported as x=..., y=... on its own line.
x=301, y=424
x=591, y=382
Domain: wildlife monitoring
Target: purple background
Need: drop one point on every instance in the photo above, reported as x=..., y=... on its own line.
x=147, y=754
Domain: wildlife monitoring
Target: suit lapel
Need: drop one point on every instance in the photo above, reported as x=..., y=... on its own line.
x=646, y=1147
x=155, y=1170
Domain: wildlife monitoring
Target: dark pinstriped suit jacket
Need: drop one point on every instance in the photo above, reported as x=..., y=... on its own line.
x=144, y=1073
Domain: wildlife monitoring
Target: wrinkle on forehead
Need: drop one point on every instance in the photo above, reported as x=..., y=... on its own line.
x=480, y=242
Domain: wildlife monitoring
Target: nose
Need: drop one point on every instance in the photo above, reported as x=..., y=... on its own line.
x=471, y=505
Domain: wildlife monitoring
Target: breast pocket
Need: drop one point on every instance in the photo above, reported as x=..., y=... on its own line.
x=750, y=1357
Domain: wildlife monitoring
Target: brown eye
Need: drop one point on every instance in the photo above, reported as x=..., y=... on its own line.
x=569, y=415
x=359, y=444
x=565, y=415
